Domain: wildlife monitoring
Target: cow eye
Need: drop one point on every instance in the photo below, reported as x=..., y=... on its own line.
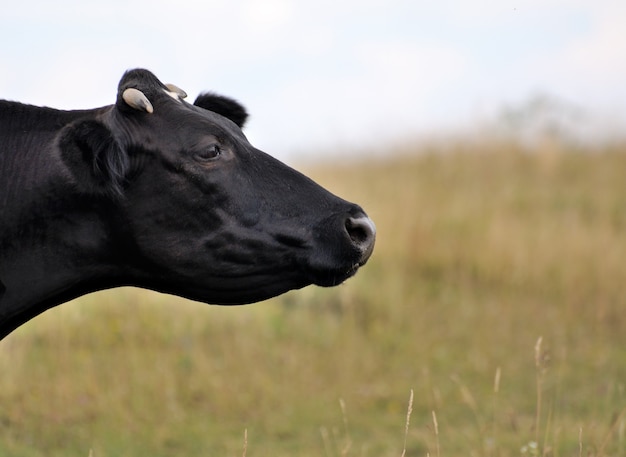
x=210, y=153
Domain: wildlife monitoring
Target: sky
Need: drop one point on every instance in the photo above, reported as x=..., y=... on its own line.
x=323, y=78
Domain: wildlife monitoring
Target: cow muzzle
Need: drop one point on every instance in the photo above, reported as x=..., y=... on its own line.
x=362, y=233
x=344, y=244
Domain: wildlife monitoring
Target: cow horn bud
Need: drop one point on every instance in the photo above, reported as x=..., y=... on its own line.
x=137, y=100
x=177, y=90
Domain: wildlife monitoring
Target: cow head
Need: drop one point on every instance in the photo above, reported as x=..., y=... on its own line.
x=195, y=210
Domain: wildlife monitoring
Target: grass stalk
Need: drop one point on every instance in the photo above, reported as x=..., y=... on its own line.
x=494, y=418
x=406, y=425
x=539, y=385
x=546, y=448
x=326, y=441
x=436, y=425
x=348, y=445
x=580, y=442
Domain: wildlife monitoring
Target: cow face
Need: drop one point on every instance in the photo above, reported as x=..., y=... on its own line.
x=197, y=211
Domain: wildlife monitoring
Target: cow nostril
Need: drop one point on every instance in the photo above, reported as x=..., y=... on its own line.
x=359, y=233
x=362, y=232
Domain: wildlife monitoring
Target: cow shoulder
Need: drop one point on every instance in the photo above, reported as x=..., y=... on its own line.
x=225, y=106
x=94, y=156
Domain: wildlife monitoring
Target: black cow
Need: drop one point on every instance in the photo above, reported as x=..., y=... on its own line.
x=157, y=193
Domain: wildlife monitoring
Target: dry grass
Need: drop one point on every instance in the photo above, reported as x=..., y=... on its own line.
x=482, y=250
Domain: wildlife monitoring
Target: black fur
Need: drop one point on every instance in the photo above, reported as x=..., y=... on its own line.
x=101, y=161
x=225, y=106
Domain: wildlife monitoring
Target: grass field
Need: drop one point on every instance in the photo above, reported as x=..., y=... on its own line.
x=496, y=294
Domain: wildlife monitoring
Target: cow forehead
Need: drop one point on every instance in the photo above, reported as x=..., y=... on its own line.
x=182, y=115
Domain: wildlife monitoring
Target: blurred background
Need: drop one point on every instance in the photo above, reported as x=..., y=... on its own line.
x=484, y=138
x=323, y=77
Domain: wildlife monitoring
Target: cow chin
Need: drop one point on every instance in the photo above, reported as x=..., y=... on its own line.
x=242, y=290
x=328, y=269
x=330, y=278
x=254, y=288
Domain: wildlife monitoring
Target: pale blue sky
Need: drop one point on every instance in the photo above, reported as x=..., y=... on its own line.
x=327, y=75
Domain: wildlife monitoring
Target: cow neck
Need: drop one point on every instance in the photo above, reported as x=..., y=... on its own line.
x=53, y=242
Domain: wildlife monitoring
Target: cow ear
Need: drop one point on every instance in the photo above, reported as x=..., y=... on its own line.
x=227, y=107
x=95, y=157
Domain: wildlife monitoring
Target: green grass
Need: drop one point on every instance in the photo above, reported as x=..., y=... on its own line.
x=482, y=250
